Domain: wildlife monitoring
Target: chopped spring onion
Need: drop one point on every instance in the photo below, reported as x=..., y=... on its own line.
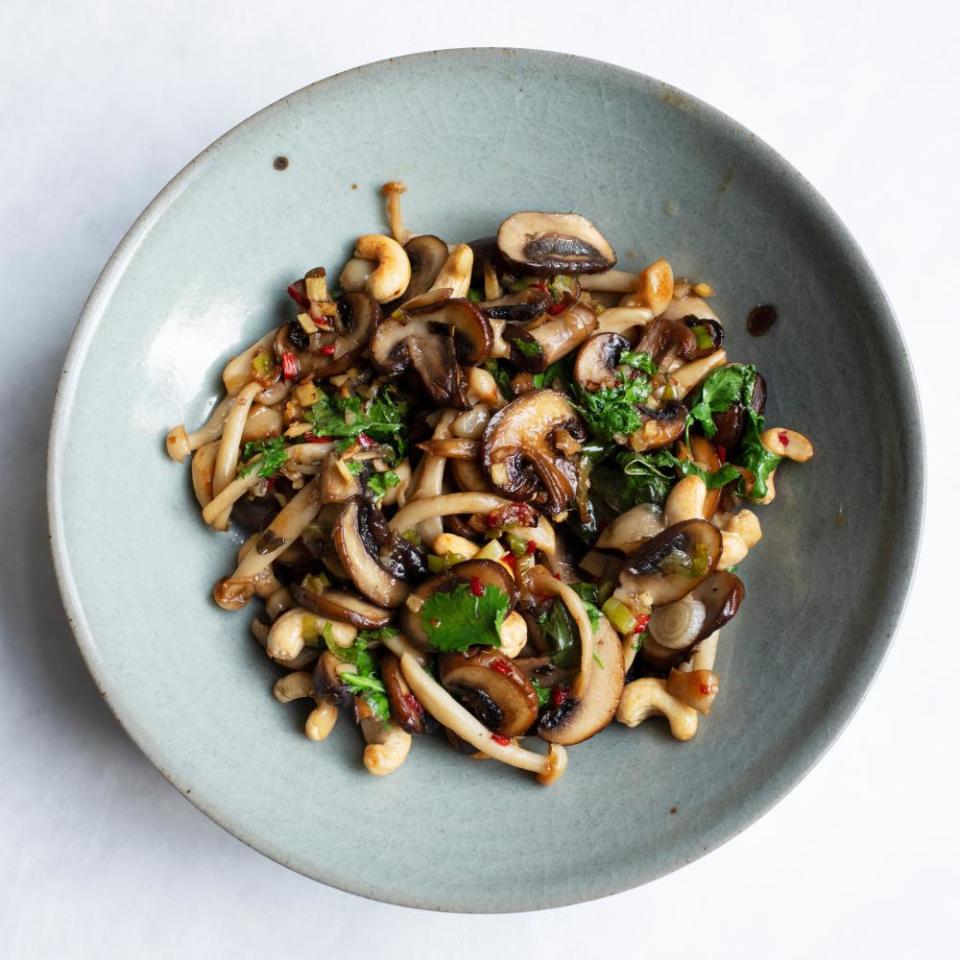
x=620, y=615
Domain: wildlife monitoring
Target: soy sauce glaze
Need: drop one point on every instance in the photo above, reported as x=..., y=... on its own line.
x=760, y=319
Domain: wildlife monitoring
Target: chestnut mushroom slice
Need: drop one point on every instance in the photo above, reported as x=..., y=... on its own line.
x=575, y=720
x=493, y=689
x=434, y=340
x=489, y=573
x=523, y=450
x=668, y=341
x=536, y=345
x=671, y=564
x=674, y=630
x=328, y=351
x=596, y=364
x=358, y=555
x=405, y=708
x=659, y=427
x=342, y=605
x=550, y=243
x=709, y=333
x=521, y=307
x=427, y=255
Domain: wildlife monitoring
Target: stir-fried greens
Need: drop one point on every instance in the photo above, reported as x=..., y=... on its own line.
x=494, y=487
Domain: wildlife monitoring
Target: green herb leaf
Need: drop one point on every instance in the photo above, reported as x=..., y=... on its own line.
x=543, y=693
x=588, y=593
x=500, y=373
x=529, y=348
x=383, y=418
x=612, y=411
x=752, y=455
x=719, y=392
x=273, y=456
x=557, y=376
x=561, y=634
x=364, y=681
x=638, y=361
x=379, y=483
x=456, y=619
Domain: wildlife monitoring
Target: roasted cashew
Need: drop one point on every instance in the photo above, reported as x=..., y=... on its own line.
x=299, y=686
x=298, y=627
x=747, y=526
x=787, y=443
x=733, y=552
x=685, y=501
x=654, y=289
x=388, y=754
x=648, y=697
x=391, y=275
x=513, y=635
x=355, y=273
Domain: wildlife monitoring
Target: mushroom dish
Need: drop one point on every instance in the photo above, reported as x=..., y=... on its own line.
x=497, y=489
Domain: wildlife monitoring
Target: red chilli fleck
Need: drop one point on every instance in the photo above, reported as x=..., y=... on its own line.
x=510, y=560
x=722, y=454
x=366, y=441
x=705, y=689
x=642, y=622
x=313, y=438
x=297, y=296
x=783, y=438
x=531, y=547
x=290, y=365
x=476, y=586
x=501, y=666
x=497, y=738
x=556, y=308
x=559, y=696
x=328, y=349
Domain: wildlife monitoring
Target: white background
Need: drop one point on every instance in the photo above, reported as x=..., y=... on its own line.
x=100, y=104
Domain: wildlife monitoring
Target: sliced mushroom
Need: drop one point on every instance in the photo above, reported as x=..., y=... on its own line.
x=631, y=529
x=405, y=708
x=709, y=333
x=427, y=255
x=493, y=689
x=520, y=307
x=689, y=306
x=547, y=339
x=356, y=551
x=327, y=352
x=342, y=605
x=326, y=679
x=676, y=628
x=522, y=450
x=434, y=341
x=575, y=720
x=671, y=564
x=659, y=427
x=337, y=483
x=551, y=243
x=488, y=572
x=596, y=364
x=668, y=341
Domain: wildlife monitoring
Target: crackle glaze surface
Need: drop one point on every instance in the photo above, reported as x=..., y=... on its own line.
x=476, y=135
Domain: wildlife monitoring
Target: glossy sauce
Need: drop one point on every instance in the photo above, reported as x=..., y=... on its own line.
x=761, y=319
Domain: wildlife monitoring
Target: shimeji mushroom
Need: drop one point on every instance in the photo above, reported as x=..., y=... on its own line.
x=528, y=449
x=434, y=340
x=652, y=288
x=455, y=272
x=676, y=628
x=594, y=704
x=537, y=344
x=553, y=243
x=428, y=480
x=392, y=191
x=691, y=375
x=442, y=706
x=228, y=451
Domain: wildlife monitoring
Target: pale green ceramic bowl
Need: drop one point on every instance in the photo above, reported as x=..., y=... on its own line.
x=477, y=134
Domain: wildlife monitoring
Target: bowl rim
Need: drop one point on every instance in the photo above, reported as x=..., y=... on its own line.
x=808, y=752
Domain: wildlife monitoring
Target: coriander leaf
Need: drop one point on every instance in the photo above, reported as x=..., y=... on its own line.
x=723, y=388
x=372, y=690
x=612, y=411
x=587, y=592
x=383, y=418
x=500, y=373
x=457, y=619
x=638, y=361
x=753, y=456
x=556, y=376
x=720, y=478
x=273, y=456
x=379, y=483
x=543, y=693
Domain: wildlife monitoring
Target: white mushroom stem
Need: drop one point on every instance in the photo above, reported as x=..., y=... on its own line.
x=287, y=525
x=301, y=453
x=692, y=374
x=611, y=281
x=448, y=504
x=471, y=423
x=201, y=472
x=400, y=645
x=180, y=443
x=621, y=319
x=228, y=453
x=491, y=282
x=455, y=272
x=430, y=479
x=548, y=767
x=296, y=628
x=237, y=373
x=705, y=656
x=542, y=582
x=393, y=191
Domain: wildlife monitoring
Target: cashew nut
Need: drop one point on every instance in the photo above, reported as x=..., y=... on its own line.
x=747, y=526
x=648, y=697
x=299, y=686
x=513, y=635
x=695, y=688
x=386, y=756
x=278, y=601
x=355, y=273
x=685, y=501
x=456, y=271
x=298, y=627
x=787, y=443
x=733, y=552
x=391, y=275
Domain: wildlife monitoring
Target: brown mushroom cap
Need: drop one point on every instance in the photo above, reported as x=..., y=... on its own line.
x=493, y=689
x=659, y=427
x=574, y=721
x=327, y=682
x=711, y=328
x=488, y=572
x=677, y=628
x=596, y=364
x=405, y=708
x=671, y=564
x=358, y=557
x=341, y=605
x=427, y=254
x=551, y=243
x=521, y=454
x=668, y=340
